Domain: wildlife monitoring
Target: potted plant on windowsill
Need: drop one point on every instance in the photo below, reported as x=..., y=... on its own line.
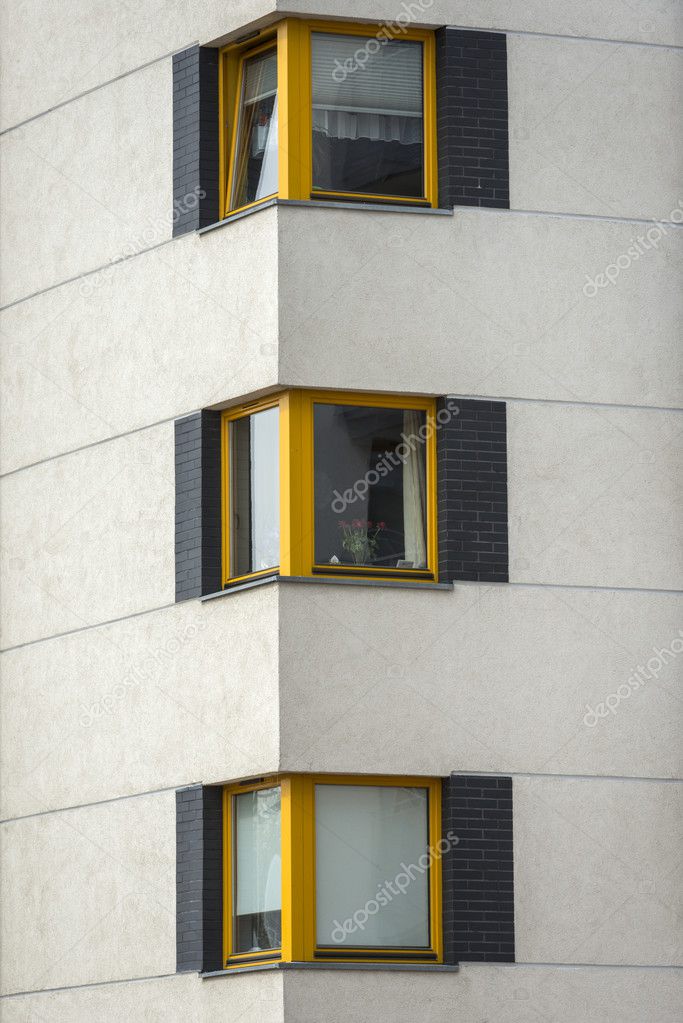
x=359, y=539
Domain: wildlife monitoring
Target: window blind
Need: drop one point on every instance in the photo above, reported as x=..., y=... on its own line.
x=348, y=76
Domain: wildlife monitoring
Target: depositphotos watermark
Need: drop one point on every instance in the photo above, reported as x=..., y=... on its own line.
x=641, y=244
x=156, y=230
x=390, y=460
x=388, y=890
x=634, y=682
x=390, y=30
x=153, y=664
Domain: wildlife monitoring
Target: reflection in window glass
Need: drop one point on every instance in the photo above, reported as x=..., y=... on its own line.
x=257, y=871
x=367, y=115
x=255, y=173
x=370, y=487
x=366, y=836
x=254, y=492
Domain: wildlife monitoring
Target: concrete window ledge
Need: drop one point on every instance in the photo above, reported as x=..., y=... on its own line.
x=368, y=207
x=391, y=967
x=313, y=580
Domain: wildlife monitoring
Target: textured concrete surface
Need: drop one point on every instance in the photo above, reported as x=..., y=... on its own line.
x=596, y=871
x=155, y=337
x=488, y=678
x=177, y=696
x=595, y=496
x=89, y=894
x=590, y=127
x=496, y=304
x=89, y=537
x=87, y=184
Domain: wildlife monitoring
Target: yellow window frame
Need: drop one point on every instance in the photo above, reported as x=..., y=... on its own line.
x=228, y=417
x=297, y=513
x=297, y=793
x=292, y=36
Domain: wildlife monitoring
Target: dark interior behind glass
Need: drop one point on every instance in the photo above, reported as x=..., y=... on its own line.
x=363, y=512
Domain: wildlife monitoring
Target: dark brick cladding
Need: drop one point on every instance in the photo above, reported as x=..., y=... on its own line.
x=472, y=118
x=199, y=879
x=478, y=881
x=472, y=492
x=195, y=138
x=198, y=505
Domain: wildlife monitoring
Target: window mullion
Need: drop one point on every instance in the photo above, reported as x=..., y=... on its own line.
x=294, y=138
x=295, y=487
x=294, y=875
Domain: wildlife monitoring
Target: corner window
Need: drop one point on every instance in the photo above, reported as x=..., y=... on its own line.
x=329, y=111
x=370, y=501
x=254, y=170
x=331, y=484
x=333, y=868
x=363, y=833
x=252, y=492
x=257, y=899
x=367, y=116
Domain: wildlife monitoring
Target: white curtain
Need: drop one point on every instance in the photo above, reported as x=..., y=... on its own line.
x=268, y=178
x=257, y=852
x=415, y=492
x=345, y=124
x=365, y=836
x=365, y=89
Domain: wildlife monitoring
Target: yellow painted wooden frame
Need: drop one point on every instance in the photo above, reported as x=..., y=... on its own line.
x=430, y=182
x=229, y=416
x=305, y=512
x=297, y=792
x=297, y=518
x=239, y=958
x=292, y=36
x=230, y=74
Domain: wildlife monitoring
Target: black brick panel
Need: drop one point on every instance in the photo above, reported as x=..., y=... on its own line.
x=472, y=491
x=472, y=118
x=195, y=138
x=478, y=879
x=198, y=505
x=199, y=879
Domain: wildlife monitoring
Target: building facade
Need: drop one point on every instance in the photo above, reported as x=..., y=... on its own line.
x=341, y=343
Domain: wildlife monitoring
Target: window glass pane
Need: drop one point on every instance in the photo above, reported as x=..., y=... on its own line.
x=255, y=174
x=372, y=866
x=370, y=486
x=255, y=492
x=367, y=115
x=257, y=871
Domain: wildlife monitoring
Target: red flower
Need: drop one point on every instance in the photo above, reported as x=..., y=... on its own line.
x=381, y=525
x=357, y=524
x=370, y=523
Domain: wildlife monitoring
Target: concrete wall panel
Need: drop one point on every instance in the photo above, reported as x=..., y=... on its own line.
x=248, y=997
x=492, y=303
x=155, y=337
x=88, y=183
x=501, y=994
x=596, y=865
x=648, y=21
x=89, y=537
x=187, y=694
x=89, y=894
x=590, y=128
x=38, y=38
x=488, y=678
x=595, y=496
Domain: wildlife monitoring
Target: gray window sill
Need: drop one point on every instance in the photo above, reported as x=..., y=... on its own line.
x=367, y=207
x=384, y=967
x=314, y=580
